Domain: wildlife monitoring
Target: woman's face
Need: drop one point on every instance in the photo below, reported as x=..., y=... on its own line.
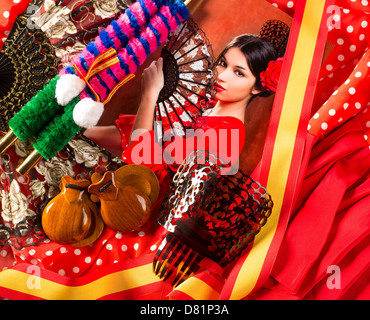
x=235, y=81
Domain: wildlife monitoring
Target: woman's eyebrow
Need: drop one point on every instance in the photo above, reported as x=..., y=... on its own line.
x=239, y=67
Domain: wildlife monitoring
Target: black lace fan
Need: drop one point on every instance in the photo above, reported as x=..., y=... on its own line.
x=188, y=61
x=208, y=214
x=27, y=62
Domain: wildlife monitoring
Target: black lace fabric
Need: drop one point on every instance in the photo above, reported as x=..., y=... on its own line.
x=211, y=214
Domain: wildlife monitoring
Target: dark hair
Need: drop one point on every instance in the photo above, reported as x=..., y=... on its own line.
x=258, y=53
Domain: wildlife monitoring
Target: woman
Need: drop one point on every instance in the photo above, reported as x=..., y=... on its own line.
x=238, y=81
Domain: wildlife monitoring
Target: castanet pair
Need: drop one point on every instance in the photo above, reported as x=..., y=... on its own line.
x=126, y=196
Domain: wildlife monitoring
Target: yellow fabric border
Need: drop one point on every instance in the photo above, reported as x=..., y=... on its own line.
x=47, y=289
x=284, y=144
x=198, y=289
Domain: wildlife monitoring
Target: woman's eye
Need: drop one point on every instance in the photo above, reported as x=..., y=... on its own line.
x=222, y=63
x=239, y=73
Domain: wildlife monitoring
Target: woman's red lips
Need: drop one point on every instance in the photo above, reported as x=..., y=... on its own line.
x=218, y=87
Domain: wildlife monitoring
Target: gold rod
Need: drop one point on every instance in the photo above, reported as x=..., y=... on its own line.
x=187, y=2
x=33, y=159
x=7, y=141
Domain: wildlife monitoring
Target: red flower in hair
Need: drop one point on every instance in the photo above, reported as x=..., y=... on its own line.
x=270, y=77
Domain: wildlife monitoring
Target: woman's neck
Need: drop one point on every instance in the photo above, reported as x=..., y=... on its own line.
x=234, y=109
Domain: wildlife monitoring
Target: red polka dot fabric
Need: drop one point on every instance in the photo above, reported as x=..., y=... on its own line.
x=343, y=88
x=9, y=11
x=345, y=77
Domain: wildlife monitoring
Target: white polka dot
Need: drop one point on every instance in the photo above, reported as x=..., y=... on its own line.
x=365, y=136
x=32, y=252
x=308, y=127
x=104, y=241
x=352, y=48
x=361, y=37
x=368, y=124
x=290, y=4
x=331, y=75
x=153, y=247
x=358, y=74
x=341, y=57
x=340, y=41
x=275, y=5
x=329, y=67
x=123, y=247
x=6, y=14
x=345, y=106
x=77, y=252
x=76, y=269
x=109, y=246
x=368, y=64
x=358, y=105
x=364, y=24
x=346, y=11
x=324, y=126
x=3, y=253
x=49, y=253
x=63, y=250
x=347, y=81
x=62, y=272
x=136, y=246
x=350, y=29
x=16, y=1
x=332, y=112
x=141, y=233
x=316, y=115
x=99, y=262
x=352, y=90
x=87, y=259
x=33, y=261
x=118, y=235
x=335, y=92
x=340, y=119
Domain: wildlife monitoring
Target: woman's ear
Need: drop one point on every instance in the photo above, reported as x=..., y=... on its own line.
x=255, y=91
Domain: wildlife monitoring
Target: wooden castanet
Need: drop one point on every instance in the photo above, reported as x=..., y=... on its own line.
x=96, y=228
x=71, y=216
x=123, y=207
x=140, y=177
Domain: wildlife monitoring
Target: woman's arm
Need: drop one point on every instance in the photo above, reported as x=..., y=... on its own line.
x=152, y=84
x=107, y=137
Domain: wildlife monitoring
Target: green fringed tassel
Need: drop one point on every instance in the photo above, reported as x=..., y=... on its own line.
x=35, y=114
x=58, y=132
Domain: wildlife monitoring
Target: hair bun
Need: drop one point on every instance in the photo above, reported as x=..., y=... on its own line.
x=277, y=33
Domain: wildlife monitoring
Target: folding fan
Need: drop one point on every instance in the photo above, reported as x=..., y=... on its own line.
x=187, y=65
